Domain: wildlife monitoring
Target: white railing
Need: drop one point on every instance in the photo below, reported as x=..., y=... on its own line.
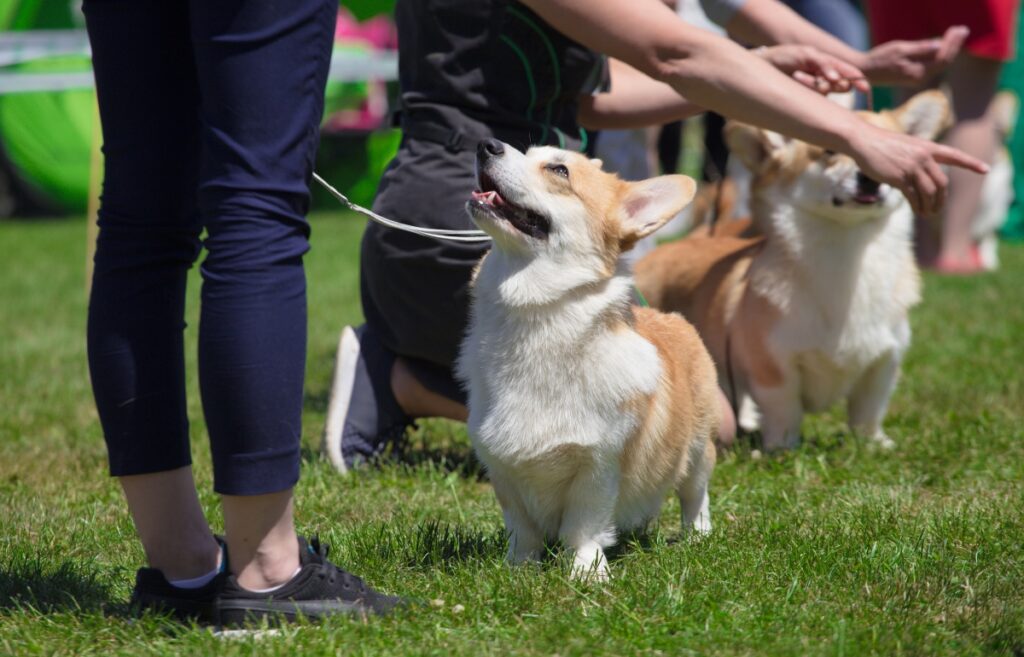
x=20, y=47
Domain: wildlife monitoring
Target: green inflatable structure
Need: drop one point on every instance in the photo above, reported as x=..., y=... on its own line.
x=47, y=137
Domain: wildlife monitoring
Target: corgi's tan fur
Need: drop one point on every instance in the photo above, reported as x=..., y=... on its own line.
x=815, y=310
x=585, y=410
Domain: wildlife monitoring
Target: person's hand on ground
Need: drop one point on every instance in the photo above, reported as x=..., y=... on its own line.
x=815, y=69
x=909, y=164
x=911, y=63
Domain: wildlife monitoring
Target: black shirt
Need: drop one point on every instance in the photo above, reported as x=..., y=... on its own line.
x=491, y=67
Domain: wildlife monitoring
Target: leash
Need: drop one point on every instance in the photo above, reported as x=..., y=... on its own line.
x=435, y=233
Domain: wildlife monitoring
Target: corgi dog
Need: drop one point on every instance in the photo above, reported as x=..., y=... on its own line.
x=585, y=410
x=997, y=189
x=814, y=308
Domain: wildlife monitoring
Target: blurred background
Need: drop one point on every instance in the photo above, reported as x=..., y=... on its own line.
x=50, y=159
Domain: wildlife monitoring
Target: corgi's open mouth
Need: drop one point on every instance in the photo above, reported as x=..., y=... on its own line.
x=867, y=192
x=522, y=219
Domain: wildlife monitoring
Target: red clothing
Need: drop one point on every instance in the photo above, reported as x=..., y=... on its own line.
x=993, y=23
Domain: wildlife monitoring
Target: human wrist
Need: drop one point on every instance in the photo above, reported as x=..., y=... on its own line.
x=847, y=135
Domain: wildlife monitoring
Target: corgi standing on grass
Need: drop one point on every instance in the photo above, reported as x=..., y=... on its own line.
x=585, y=410
x=815, y=309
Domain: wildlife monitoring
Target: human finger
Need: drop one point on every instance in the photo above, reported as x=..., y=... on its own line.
x=949, y=155
x=952, y=42
x=842, y=85
x=806, y=79
x=851, y=76
x=909, y=190
x=861, y=84
x=913, y=70
x=917, y=50
x=927, y=192
x=941, y=181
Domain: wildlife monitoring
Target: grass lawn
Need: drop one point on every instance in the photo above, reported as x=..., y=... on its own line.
x=835, y=549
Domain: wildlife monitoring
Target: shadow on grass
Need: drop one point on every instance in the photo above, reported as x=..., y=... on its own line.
x=68, y=586
x=823, y=441
x=446, y=457
x=432, y=544
x=440, y=545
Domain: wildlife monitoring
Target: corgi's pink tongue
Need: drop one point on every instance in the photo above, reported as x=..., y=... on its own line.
x=490, y=198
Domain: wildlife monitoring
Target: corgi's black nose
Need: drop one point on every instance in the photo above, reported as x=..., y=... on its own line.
x=488, y=148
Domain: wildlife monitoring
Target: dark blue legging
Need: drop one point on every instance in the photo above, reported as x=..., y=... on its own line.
x=210, y=110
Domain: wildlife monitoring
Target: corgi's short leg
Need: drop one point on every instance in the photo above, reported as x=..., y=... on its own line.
x=988, y=252
x=869, y=399
x=781, y=413
x=588, y=519
x=693, y=494
x=525, y=541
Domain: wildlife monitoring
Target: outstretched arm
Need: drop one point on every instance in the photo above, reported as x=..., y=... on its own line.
x=769, y=22
x=717, y=74
x=634, y=101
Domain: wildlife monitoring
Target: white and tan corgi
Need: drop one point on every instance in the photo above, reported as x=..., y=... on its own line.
x=815, y=310
x=585, y=410
x=997, y=190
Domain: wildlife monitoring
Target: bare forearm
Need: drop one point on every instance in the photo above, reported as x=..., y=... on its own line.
x=709, y=71
x=769, y=23
x=635, y=101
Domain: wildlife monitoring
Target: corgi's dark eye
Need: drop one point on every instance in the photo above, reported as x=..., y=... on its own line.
x=559, y=170
x=829, y=153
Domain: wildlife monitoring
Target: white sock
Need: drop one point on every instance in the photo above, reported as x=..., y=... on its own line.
x=274, y=588
x=202, y=580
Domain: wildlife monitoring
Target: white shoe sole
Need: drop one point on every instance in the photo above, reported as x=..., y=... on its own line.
x=345, y=363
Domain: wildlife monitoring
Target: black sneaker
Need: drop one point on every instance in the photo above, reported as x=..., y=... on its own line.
x=363, y=417
x=319, y=589
x=154, y=593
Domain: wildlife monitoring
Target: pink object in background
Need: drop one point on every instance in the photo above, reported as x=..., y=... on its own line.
x=378, y=33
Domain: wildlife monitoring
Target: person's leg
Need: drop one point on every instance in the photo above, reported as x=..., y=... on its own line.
x=148, y=240
x=726, y=435
x=418, y=399
x=262, y=69
x=415, y=296
x=972, y=81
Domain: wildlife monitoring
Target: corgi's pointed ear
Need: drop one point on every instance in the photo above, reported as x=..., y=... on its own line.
x=751, y=144
x=1004, y=109
x=926, y=115
x=649, y=204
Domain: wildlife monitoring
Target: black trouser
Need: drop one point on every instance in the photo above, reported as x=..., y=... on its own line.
x=415, y=290
x=210, y=110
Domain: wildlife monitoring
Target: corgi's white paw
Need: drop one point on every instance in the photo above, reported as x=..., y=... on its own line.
x=702, y=525
x=589, y=564
x=880, y=440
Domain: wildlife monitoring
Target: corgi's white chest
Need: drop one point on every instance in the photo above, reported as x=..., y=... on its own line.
x=541, y=382
x=846, y=307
